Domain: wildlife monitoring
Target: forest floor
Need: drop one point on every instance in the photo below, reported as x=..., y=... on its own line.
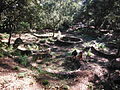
x=64, y=72
x=11, y=79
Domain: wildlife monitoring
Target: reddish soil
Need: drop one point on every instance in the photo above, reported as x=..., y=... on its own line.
x=10, y=79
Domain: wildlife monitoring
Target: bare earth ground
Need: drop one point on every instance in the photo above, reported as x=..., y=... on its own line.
x=11, y=79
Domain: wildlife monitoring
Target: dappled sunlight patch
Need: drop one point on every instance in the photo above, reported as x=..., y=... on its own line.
x=11, y=82
x=97, y=69
x=12, y=78
x=56, y=64
x=7, y=65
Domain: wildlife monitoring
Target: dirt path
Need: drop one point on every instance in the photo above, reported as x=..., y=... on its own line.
x=11, y=79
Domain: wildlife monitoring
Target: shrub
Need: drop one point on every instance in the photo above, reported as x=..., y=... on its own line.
x=23, y=60
x=45, y=82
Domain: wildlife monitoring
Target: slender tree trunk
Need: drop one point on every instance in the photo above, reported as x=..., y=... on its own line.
x=31, y=26
x=53, y=32
x=10, y=35
x=118, y=51
x=11, y=28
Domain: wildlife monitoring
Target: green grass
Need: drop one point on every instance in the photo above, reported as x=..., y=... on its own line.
x=42, y=41
x=45, y=82
x=24, y=60
x=5, y=36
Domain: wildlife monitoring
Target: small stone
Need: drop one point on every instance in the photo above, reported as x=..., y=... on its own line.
x=34, y=64
x=39, y=61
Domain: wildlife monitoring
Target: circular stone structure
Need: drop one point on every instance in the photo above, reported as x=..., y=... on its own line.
x=67, y=41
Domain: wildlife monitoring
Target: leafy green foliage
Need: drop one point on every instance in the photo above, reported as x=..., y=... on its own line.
x=1, y=54
x=42, y=41
x=40, y=71
x=24, y=60
x=5, y=51
x=45, y=82
x=95, y=13
x=35, y=14
x=23, y=25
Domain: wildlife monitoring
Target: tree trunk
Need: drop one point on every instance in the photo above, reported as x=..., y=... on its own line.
x=31, y=25
x=10, y=35
x=118, y=52
x=53, y=33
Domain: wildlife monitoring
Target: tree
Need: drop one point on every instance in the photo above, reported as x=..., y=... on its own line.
x=18, y=15
x=103, y=14
x=53, y=14
x=11, y=15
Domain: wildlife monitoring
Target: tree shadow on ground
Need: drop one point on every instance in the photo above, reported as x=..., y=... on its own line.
x=109, y=81
x=5, y=66
x=71, y=64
